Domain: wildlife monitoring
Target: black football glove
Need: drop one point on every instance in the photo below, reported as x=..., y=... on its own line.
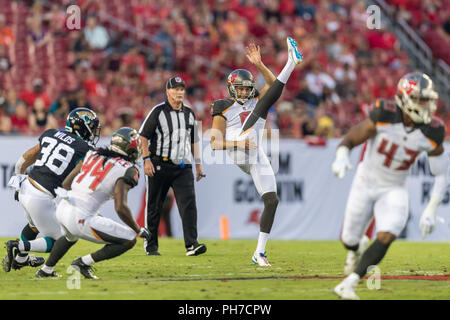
x=16, y=195
x=144, y=233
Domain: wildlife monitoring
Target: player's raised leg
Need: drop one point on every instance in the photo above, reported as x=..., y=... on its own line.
x=275, y=90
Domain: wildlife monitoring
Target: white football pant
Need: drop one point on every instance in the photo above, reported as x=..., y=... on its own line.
x=40, y=210
x=76, y=224
x=389, y=205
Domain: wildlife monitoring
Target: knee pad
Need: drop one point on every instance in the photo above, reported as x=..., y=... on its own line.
x=28, y=234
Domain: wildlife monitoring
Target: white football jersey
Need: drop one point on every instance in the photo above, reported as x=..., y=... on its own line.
x=95, y=183
x=235, y=115
x=390, y=154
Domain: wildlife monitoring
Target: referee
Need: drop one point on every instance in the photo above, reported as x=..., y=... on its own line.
x=169, y=136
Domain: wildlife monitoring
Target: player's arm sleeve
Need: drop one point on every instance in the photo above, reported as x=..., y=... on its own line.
x=149, y=125
x=131, y=177
x=439, y=166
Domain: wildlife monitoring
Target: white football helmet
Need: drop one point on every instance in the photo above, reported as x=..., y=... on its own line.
x=416, y=97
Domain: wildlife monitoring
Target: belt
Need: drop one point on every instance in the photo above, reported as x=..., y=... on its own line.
x=37, y=186
x=168, y=161
x=162, y=159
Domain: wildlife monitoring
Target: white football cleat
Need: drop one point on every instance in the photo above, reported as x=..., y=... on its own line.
x=346, y=289
x=353, y=257
x=293, y=50
x=260, y=258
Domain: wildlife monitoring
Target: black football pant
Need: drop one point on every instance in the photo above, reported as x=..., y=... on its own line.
x=182, y=182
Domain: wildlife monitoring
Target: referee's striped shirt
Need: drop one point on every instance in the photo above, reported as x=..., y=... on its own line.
x=170, y=132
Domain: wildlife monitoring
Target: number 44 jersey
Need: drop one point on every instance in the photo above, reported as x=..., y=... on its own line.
x=60, y=151
x=393, y=150
x=95, y=183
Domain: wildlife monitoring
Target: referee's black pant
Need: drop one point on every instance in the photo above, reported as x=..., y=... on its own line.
x=181, y=180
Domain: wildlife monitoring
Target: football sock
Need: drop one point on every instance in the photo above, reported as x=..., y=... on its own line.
x=270, y=206
x=21, y=258
x=263, y=105
x=38, y=245
x=27, y=234
x=87, y=260
x=61, y=246
x=47, y=269
x=111, y=250
x=286, y=72
x=372, y=256
x=262, y=241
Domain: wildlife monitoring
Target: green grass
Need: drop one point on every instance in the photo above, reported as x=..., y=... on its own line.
x=225, y=272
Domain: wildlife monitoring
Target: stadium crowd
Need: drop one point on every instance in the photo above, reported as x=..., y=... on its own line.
x=118, y=62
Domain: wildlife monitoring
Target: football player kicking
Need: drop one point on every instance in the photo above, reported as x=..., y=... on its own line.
x=54, y=157
x=397, y=131
x=106, y=173
x=238, y=120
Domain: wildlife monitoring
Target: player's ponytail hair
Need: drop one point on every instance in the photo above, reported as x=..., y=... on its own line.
x=109, y=154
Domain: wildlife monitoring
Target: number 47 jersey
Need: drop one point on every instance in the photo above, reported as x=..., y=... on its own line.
x=94, y=185
x=393, y=150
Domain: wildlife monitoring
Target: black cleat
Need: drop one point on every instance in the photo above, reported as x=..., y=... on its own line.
x=12, y=249
x=84, y=269
x=32, y=261
x=42, y=274
x=195, y=250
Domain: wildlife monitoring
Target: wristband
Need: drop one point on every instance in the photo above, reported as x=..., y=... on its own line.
x=146, y=157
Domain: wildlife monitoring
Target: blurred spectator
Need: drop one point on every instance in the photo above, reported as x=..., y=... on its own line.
x=19, y=120
x=11, y=101
x=5, y=64
x=325, y=127
x=37, y=34
x=40, y=119
x=60, y=109
x=55, y=19
x=96, y=35
x=318, y=81
x=38, y=92
x=6, y=33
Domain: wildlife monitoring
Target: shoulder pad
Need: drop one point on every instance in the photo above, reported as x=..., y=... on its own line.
x=131, y=176
x=434, y=131
x=219, y=107
x=385, y=111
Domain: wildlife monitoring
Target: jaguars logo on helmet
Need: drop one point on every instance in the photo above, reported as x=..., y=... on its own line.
x=126, y=141
x=241, y=78
x=84, y=123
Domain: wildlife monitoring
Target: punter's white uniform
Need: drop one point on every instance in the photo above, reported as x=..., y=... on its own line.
x=91, y=188
x=253, y=162
x=379, y=184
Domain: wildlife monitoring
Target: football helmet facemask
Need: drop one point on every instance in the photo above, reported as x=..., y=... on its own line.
x=416, y=97
x=126, y=141
x=241, y=78
x=84, y=123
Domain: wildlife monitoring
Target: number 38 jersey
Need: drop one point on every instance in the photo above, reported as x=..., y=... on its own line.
x=395, y=147
x=60, y=151
x=95, y=183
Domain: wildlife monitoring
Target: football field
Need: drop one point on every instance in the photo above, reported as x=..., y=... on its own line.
x=300, y=270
